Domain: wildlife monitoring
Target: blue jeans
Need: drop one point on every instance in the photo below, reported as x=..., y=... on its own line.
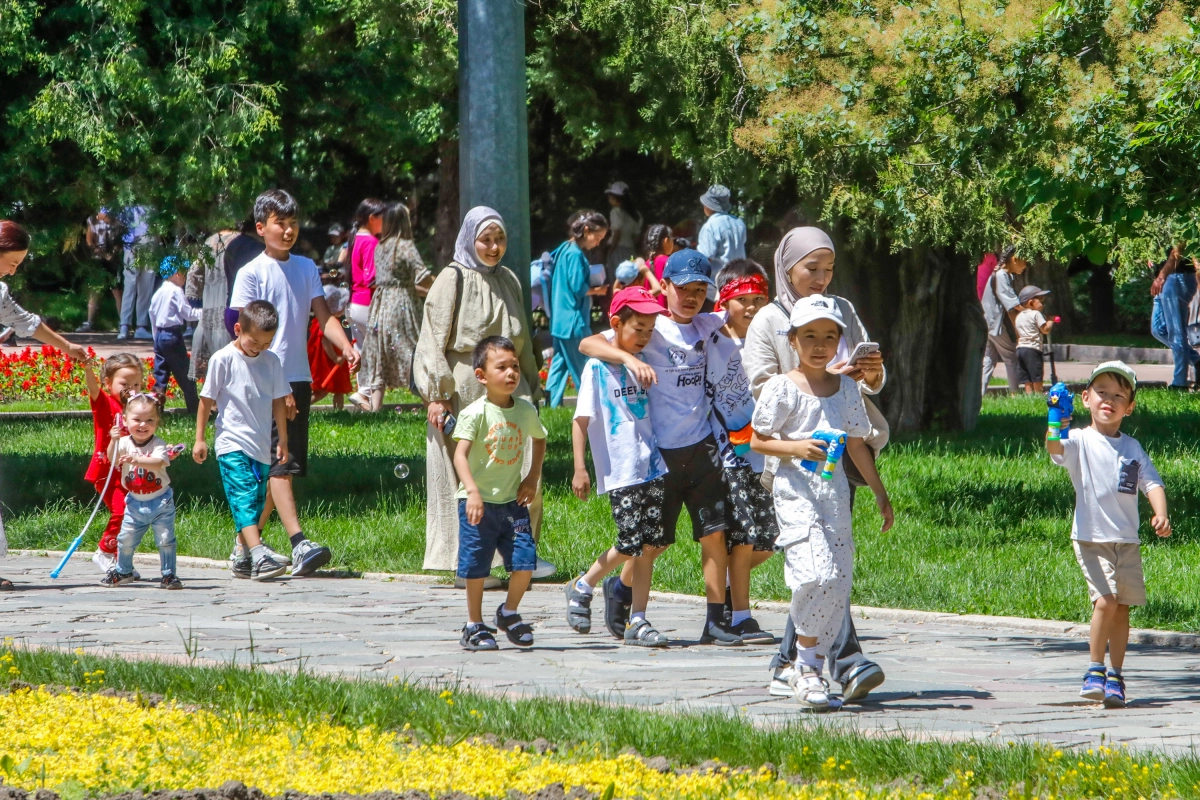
x=567, y=361
x=135, y=299
x=504, y=527
x=142, y=515
x=171, y=358
x=1168, y=322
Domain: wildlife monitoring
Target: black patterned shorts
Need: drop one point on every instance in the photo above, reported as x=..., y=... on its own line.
x=638, y=512
x=752, y=510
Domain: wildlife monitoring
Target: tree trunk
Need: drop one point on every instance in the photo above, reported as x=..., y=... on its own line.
x=920, y=305
x=1053, y=277
x=1104, y=306
x=446, y=224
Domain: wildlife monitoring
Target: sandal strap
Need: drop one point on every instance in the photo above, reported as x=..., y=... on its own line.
x=643, y=630
x=520, y=629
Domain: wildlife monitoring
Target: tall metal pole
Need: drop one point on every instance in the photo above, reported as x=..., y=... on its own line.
x=493, y=160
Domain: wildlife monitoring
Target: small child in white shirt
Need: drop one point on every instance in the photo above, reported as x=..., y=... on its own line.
x=150, y=501
x=170, y=314
x=1030, y=325
x=814, y=514
x=1107, y=469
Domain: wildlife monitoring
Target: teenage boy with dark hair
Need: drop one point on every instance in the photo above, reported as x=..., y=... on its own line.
x=672, y=368
x=292, y=284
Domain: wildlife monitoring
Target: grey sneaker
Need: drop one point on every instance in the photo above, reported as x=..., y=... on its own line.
x=643, y=634
x=242, y=568
x=117, y=578
x=123, y=333
x=308, y=557
x=267, y=568
x=579, y=609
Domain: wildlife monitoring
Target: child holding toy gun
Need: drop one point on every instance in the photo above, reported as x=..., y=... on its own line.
x=814, y=511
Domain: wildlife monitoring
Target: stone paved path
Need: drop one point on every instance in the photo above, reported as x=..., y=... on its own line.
x=944, y=680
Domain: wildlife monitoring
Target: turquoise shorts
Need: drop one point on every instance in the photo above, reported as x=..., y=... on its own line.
x=245, y=482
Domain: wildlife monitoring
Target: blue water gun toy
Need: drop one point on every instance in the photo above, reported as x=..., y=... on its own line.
x=1061, y=404
x=835, y=446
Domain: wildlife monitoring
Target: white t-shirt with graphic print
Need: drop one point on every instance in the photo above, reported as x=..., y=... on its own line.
x=620, y=432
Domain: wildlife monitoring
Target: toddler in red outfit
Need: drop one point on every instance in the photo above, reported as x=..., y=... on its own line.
x=121, y=373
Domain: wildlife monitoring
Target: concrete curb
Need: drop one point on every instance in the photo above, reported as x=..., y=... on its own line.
x=1097, y=354
x=1046, y=627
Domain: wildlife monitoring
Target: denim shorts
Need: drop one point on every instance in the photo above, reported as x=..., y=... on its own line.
x=245, y=482
x=504, y=527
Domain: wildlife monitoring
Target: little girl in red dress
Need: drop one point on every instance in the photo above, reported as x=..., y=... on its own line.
x=122, y=372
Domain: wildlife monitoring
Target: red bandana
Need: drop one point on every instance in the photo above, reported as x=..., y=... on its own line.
x=751, y=284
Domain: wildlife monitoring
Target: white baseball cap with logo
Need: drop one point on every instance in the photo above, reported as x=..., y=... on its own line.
x=1116, y=368
x=815, y=307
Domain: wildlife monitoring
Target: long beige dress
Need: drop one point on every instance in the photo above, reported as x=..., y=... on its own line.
x=492, y=305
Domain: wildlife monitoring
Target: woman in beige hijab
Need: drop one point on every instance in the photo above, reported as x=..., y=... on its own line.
x=472, y=298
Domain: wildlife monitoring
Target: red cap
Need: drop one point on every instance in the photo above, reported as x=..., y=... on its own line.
x=638, y=299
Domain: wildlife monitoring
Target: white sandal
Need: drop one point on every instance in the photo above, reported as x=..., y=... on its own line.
x=812, y=691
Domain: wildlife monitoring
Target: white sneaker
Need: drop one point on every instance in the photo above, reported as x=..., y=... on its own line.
x=781, y=682
x=544, y=569
x=105, y=561
x=812, y=692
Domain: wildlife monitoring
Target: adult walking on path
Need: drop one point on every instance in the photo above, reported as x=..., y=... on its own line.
x=1172, y=290
x=804, y=264
x=472, y=298
x=723, y=236
x=394, y=316
x=368, y=223
x=625, y=224
x=104, y=240
x=1000, y=308
x=139, y=278
x=207, y=286
x=571, y=302
x=14, y=246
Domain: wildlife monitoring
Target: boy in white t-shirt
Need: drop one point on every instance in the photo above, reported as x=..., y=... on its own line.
x=246, y=383
x=753, y=529
x=672, y=368
x=613, y=413
x=1030, y=325
x=1107, y=469
x=292, y=284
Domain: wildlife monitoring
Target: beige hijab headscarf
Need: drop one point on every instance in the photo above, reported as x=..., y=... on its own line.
x=473, y=224
x=798, y=243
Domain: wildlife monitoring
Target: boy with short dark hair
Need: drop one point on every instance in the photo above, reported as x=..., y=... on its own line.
x=613, y=414
x=1030, y=325
x=292, y=284
x=493, y=497
x=672, y=368
x=1107, y=469
x=245, y=382
x=753, y=529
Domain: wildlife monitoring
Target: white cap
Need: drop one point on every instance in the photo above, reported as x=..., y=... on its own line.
x=1116, y=368
x=815, y=307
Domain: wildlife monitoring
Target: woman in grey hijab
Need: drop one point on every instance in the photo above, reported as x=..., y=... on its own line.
x=804, y=264
x=472, y=298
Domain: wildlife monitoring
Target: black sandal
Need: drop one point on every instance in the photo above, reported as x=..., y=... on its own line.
x=518, y=632
x=477, y=636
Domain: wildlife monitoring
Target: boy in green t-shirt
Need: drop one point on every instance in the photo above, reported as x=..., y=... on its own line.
x=493, y=498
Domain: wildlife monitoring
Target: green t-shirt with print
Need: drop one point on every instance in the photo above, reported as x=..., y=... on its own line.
x=497, y=437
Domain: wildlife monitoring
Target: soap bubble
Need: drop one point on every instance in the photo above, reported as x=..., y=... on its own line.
x=401, y=471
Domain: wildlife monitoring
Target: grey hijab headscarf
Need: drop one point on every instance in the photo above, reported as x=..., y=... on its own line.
x=473, y=224
x=798, y=243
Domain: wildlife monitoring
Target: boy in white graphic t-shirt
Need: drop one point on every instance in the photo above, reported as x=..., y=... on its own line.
x=613, y=413
x=672, y=369
x=1107, y=470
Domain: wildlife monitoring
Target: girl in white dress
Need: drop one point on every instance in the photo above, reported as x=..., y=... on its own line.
x=814, y=514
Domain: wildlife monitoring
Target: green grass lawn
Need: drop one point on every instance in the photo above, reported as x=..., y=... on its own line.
x=982, y=519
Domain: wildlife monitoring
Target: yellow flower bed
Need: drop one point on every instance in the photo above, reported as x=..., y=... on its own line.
x=105, y=744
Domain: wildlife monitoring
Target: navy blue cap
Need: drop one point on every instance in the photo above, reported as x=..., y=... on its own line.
x=688, y=266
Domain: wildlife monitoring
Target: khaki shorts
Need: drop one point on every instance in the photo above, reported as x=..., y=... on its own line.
x=1112, y=568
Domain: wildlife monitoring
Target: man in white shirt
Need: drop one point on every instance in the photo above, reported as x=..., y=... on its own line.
x=169, y=315
x=292, y=285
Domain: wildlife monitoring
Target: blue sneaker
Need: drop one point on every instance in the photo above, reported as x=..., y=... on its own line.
x=1114, y=691
x=1093, y=685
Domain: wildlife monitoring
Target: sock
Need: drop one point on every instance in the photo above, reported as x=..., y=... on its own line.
x=715, y=615
x=623, y=593
x=809, y=658
x=239, y=550
x=1114, y=671
x=635, y=617
x=1096, y=665
x=257, y=552
x=505, y=610
x=738, y=616
x=297, y=538
x=584, y=586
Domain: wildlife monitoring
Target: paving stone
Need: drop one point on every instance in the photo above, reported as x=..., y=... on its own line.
x=945, y=678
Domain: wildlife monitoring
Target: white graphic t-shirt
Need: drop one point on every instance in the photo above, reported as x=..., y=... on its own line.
x=1107, y=474
x=732, y=402
x=679, y=406
x=624, y=448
